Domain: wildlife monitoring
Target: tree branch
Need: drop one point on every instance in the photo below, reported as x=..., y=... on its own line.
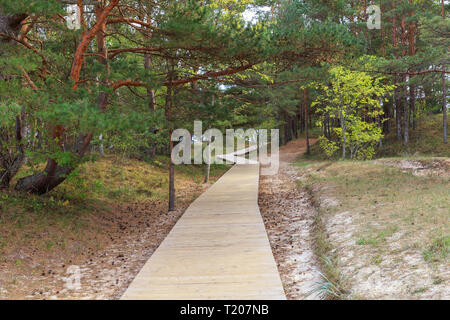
x=205, y=76
x=87, y=38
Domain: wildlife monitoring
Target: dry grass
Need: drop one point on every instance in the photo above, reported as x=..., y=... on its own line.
x=388, y=227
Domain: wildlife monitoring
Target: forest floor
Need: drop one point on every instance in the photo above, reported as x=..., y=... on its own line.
x=103, y=224
x=289, y=219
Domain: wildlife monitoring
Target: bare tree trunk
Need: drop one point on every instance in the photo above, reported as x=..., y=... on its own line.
x=387, y=113
x=171, y=179
x=11, y=162
x=208, y=165
x=397, y=100
x=101, y=149
x=412, y=105
x=102, y=100
x=168, y=111
x=412, y=52
x=286, y=128
x=151, y=105
x=444, y=89
x=405, y=113
x=444, y=106
x=295, y=126
x=344, y=136
x=301, y=114
x=404, y=95
x=398, y=113
x=305, y=100
x=150, y=92
x=289, y=124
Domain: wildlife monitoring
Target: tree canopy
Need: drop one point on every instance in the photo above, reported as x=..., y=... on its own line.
x=137, y=69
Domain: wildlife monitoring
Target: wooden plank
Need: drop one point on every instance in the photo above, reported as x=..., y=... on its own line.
x=218, y=250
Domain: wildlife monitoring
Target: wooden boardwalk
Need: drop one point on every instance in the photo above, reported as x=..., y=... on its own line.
x=218, y=250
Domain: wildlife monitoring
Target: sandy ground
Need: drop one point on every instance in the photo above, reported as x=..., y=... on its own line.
x=437, y=166
x=289, y=220
x=397, y=269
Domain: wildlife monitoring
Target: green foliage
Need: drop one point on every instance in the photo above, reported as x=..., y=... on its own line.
x=35, y=6
x=8, y=114
x=362, y=137
x=288, y=44
x=354, y=99
x=328, y=146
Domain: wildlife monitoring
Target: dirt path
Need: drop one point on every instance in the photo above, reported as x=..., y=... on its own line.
x=289, y=220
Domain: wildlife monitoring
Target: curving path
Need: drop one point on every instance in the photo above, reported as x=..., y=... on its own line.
x=219, y=249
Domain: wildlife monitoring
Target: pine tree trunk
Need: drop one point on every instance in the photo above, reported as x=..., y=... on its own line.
x=412, y=52
x=295, y=126
x=397, y=100
x=404, y=36
x=11, y=162
x=289, y=127
x=151, y=152
x=286, y=129
x=444, y=106
x=398, y=114
x=412, y=105
x=344, y=137
x=207, y=169
x=208, y=162
x=11, y=170
x=305, y=101
x=405, y=113
x=444, y=89
x=171, y=179
x=53, y=174
x=168, y=107
x=301, y=114
x=102, y=99
x=387, y=114
x=101, y=149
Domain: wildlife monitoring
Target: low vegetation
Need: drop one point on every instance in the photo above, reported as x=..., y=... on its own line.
x=426, y=140
x=384, y=228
